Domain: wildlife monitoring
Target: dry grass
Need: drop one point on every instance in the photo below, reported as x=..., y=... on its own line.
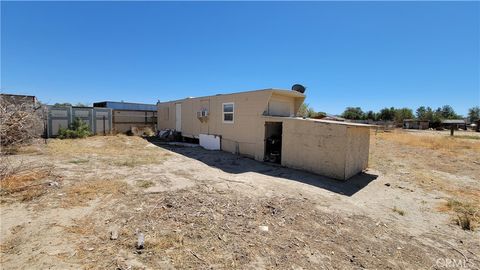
x=36, y=148
x=467, y=215
x=84, y=226
x=467, y=137
x=25, y=181
x=136, y=161
x=85, y=191
x=398, y=211
x=144, y=183
x=100, y=145
x=429, y=183
x=444, y=143
x=119, y=150
x=158, y=242
x=79, y=161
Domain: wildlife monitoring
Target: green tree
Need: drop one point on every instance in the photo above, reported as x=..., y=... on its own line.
x=474, y=113
x=66, y=104
x=370, y=115
x=306, y=111
x=387, y=114
x=354, y=113
x=402, y=114
x=320, y=114
x=421, y=113
x=429, y=115
x=447, y=112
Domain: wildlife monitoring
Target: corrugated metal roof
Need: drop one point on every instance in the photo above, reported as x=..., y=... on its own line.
x=127, y=106
x=453, y=121
x=415, y=120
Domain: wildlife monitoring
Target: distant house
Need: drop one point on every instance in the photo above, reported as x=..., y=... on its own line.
x=127, y=115
x=27, y=103
x=455, y=123
x=415, y=124
x=263, y=124
x=20, y=99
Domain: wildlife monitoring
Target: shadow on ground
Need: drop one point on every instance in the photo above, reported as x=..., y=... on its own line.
x=236, y=164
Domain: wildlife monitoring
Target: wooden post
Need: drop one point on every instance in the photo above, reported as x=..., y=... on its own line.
x=104, y=129
x=452, y=129
x=45, y=131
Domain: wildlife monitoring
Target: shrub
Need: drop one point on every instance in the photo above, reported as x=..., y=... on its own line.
x=466, y=214
x=465, y=221
x=78, y=129
x=20, y=123
x=399, y=211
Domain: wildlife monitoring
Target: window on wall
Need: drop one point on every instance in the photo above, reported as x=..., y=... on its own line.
x=228, y=112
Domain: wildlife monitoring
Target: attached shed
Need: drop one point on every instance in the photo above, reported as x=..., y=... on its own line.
x=262, y=124
x=127, y=115
x=331, y=148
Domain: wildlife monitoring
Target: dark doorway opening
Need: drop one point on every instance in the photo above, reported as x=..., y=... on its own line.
x=273, y=142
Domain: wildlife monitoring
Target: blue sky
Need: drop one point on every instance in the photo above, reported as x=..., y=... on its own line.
x=370, y=54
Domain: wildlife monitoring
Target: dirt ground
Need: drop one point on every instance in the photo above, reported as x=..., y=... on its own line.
x=84, y=203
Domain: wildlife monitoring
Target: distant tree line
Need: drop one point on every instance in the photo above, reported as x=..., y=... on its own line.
x=399, y=114
x=67, y=104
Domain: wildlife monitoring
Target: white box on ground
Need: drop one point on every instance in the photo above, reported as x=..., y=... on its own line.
x=210, y=142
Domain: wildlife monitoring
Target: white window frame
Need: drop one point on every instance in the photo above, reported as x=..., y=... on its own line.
x=233, y=112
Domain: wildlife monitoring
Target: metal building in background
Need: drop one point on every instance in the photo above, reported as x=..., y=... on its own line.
x=98, y=119
x=128, y=115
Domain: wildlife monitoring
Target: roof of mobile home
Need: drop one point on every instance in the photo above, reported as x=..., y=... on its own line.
x=321, y=121
x=279, y=91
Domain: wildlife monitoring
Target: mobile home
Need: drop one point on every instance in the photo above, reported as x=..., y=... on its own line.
x=263, y=124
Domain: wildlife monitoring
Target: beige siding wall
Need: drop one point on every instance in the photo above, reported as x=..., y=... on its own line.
x=281, y=106
x=244, y=135
x=315, y=146
x=334, y=150
x=166, y=115
x=358, y=150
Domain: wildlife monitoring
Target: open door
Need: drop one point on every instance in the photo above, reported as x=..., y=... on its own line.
x=273, y=142
x=178, y=117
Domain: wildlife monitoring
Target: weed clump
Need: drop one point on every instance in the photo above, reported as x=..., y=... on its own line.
x=144, y=183
x=24, y=181
x=399, y=211
x=467, y=214
x=78, y=129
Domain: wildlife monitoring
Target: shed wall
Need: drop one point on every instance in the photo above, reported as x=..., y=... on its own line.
x=314, y=146
x=124, y=120
x=358, y=142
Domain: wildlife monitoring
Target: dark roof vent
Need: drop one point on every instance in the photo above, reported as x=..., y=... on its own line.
x=299, y=88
